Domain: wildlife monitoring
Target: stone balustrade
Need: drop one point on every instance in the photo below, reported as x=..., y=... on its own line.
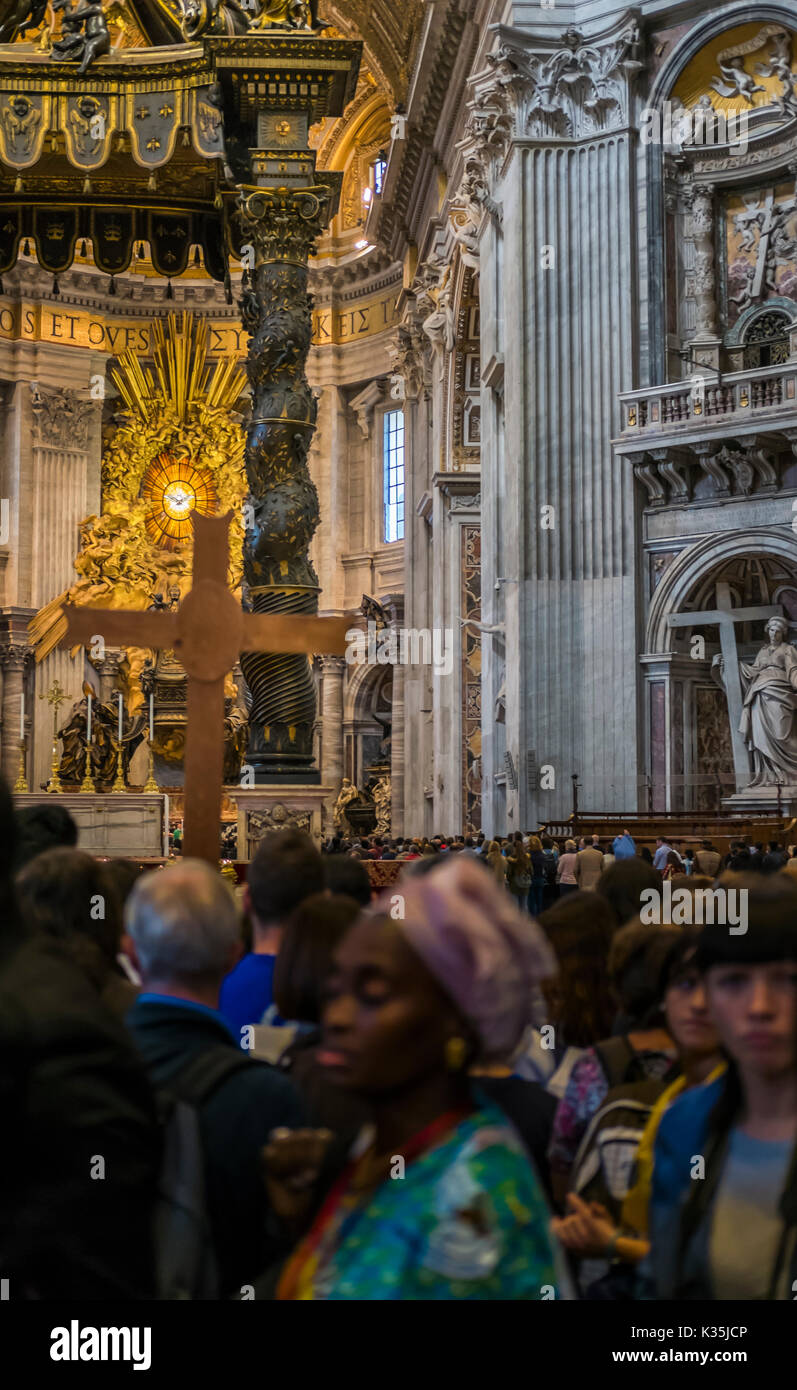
x=736, y=400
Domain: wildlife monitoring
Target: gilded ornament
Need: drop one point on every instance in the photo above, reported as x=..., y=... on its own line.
x=181, y=409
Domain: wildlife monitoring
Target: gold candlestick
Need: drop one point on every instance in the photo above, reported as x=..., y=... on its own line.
x=119, y=784
x=87, y=785
x=55, y=696
x=151, y=785
x=54, y=784
x=21, y=784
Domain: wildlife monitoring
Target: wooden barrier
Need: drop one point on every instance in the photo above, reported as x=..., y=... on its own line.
x=682, y=828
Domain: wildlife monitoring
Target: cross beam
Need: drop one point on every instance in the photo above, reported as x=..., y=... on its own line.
x=724, y=616
x=207, y=632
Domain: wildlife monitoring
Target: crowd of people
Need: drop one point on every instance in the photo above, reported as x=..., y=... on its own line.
x=493, y=1080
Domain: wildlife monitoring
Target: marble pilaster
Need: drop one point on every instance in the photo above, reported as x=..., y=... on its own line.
x=565, y=559
x=15, y=659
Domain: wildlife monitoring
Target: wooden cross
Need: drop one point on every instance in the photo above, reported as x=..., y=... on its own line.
x=207, y=632
x=725, y=617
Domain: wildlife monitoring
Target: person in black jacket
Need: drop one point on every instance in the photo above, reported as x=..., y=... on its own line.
x=183, y=937
x=81, y=1147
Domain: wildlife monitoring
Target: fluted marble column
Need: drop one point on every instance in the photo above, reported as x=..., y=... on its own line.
x=567, y=307
x=397, y=752
x=15, y=658
x=333, y=672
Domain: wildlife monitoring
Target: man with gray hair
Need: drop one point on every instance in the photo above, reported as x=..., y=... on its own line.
x=183, y=936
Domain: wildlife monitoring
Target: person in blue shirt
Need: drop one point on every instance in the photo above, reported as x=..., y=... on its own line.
x=183, y=933
x=623, y=846
x=286, y=869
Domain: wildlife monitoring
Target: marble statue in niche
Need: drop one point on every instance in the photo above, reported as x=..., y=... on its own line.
x=768, y=722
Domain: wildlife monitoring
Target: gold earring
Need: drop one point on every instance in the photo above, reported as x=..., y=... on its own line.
x=456, y=1050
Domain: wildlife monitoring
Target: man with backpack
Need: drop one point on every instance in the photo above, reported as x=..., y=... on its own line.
x=221, y=1105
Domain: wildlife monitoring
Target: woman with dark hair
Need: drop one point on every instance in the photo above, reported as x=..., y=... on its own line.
x=413, y=1001
x=674, y=867
x=623, y=884
x=69, y=895
x=310, y=938
x=518, y=872
x=622, y=1236
x=537, y=871
x=639, y=1048
x=580, y=1006
x=733, y=1234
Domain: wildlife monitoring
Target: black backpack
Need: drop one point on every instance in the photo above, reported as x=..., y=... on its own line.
x=186, y=1266
x=604, y=1167
x=551, y=866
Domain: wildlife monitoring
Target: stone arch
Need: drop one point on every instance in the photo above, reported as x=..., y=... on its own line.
x=746, y=320
x=705, y=29
x=362, y=729
x=696, y=562
x=690, y=759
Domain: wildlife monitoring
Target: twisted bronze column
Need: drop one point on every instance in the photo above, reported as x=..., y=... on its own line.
x=282, y=227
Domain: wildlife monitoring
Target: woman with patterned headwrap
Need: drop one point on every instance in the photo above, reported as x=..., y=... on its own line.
x=442, y=1203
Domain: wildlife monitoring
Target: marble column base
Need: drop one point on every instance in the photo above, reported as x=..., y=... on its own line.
x=762, y=801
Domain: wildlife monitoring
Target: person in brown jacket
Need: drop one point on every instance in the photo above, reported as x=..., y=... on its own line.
x=707, y=860
x=589, y=867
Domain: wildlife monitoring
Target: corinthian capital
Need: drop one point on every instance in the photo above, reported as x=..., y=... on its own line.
x=284, y=225
x=574, y=88
x=61, y=420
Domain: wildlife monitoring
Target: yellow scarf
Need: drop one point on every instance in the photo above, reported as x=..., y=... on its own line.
x=637, y=1200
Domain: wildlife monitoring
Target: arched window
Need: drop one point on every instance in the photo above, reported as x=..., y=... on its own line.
x=766, y=342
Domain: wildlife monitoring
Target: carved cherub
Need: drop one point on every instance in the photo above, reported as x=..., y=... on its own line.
x=19, y=16
x=85, y=34
x=212, y=17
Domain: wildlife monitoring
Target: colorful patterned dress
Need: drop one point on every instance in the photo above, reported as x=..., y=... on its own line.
x=467, y=1220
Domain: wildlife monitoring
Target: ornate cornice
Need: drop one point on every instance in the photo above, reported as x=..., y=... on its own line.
x=390, y=220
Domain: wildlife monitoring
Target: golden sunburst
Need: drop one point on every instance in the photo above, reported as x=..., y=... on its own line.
x=174, y=489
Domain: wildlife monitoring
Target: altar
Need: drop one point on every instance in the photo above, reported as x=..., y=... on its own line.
x=133, y=826
x=280, y=807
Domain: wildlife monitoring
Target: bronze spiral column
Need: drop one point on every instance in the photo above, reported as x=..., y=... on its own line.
x=282, y=226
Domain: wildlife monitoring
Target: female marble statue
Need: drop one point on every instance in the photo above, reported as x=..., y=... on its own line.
x=769, y=714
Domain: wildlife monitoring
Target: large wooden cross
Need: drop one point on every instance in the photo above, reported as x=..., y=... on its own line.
x=207, y=632
x=725, y=617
